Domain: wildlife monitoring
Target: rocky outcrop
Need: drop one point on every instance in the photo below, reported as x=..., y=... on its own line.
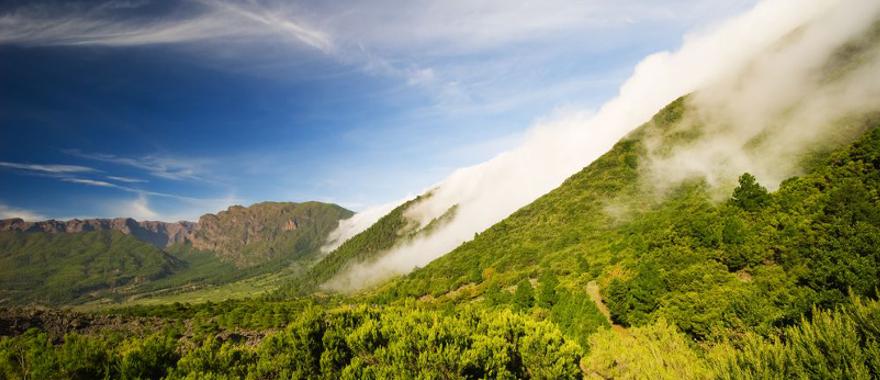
x=244, y=236
x=265, y=231
x=159, y=234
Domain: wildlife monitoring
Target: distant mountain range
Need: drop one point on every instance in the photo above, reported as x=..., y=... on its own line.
x=158, y=234
x=76, y=261
x=245, y=236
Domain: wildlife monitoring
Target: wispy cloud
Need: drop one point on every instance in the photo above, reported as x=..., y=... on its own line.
x=75, y=174
x=453, y=27
x=158, y=166
x=7, y=212
x=278, y=20
x=47, y=168
x=99, y=183
x=90, y=182
x=137, y=208
x=109, y=24
x=412, y=42
x=126, y=179
x=188, y=208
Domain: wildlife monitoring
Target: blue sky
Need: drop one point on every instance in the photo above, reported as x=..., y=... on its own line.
x=167, y=110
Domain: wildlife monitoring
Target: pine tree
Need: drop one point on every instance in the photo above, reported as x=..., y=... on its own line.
x=524, y=297
x=750, y=195
x=494, y=295
x=547, y=296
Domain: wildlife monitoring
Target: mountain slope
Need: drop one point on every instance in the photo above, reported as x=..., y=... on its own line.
x=722, y=287
x=391, y=230
x=64, y=268
x=159, y=234
x=244, y=236
x=249, y=236
x=757, y=260
x=99, y=260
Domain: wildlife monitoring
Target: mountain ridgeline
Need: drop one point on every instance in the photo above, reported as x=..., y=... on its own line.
x=157, y=234
x=390, y=231
x=77, y=261
x=248, y=236
x=734, y=235
x=704, y=140
x=752, y=284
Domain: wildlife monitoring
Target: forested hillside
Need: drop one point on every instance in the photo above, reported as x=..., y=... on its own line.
x=752, y=284
x=66, y=268
x=267, y=231
x=109, y=261
x=715, y=269
x=388, y=232
x=728, y=237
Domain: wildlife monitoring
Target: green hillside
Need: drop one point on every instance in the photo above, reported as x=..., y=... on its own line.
x=267, y=231
x=619, y=273
x=756, y=284
x=245, y=252
x=267, y=240
x=65, y=268
x=392, y=229
x=715, y=269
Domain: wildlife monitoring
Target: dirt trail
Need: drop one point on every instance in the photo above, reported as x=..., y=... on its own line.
x=596, y=296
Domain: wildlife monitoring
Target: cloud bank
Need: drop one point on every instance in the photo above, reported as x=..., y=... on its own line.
x=562, y=144
x=808, y=92
x=356, y=224
x=7, y=212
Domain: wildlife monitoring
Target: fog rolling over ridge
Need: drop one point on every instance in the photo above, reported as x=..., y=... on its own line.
x=810, y=89
x=757, y=79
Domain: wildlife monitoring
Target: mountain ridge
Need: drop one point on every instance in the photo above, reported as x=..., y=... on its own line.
x=263, y=221
x=117, y=259
x=157, y=233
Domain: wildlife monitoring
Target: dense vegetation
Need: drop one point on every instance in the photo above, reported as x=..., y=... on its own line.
x=392, y=229
x=109, y=266
x=406, y=341
x=327, y=341
x=376, y=239
x=715, y=269
x=751, y=284
x=267, y=232
x=62, y=268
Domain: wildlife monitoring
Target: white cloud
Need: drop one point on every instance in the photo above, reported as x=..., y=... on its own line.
x=145, y=207
x=7, y=212
x=47, y=168
x=126, y=179
x=277, y=19
x=762, y=118
x=448, y=26
x=168, y=168
x=558, y=147
x=419, y=43
x=461, y=26
x=158, y=166
x=197, y=203
x=192, y=209
x=137, y=208
x=107, y=25
x=357, y=224
x=90, y=182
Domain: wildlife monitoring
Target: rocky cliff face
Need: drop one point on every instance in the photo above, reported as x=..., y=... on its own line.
x=244, y=236
x=159, y=234
x=265, y=231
